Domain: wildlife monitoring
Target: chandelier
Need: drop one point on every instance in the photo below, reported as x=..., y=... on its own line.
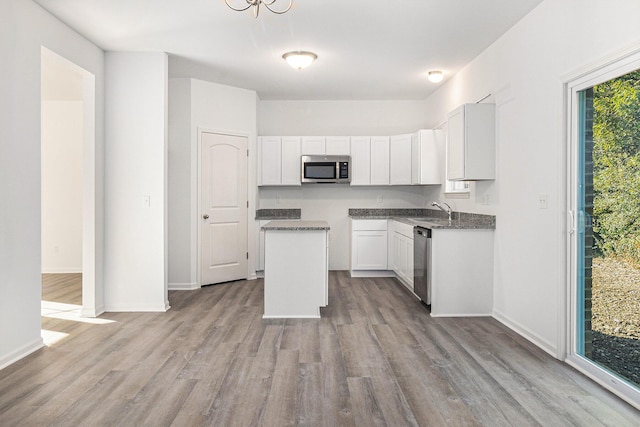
x=256, y=6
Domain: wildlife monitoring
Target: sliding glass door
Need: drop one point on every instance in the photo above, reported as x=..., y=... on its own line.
x=604, y=228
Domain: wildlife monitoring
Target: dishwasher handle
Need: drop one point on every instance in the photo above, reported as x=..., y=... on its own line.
x=423, y=232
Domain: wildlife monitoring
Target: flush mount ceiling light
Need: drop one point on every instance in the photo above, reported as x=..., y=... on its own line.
x=435, y=76
x=299, y=59
x=256, y=6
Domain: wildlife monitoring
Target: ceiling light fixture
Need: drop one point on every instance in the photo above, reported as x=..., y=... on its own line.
x=435, y=76
x=256, y=6
x=299, y=59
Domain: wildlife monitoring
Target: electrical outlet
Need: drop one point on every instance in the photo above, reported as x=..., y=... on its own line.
x=542, y=201
x=380, y=198
x=485, y=199
x=147, y=201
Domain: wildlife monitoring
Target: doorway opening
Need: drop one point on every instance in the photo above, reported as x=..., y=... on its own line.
x=605, y=241
x=68, y=215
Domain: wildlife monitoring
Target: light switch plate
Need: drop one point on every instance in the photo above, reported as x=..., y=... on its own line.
x=542, y=201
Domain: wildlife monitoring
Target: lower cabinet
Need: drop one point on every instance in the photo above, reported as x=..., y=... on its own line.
x=402, y=258
x=262, y=222
x=369, y=247
x=462, y=272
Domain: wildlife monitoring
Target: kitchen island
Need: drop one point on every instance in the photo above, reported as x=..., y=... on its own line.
x=296, y=273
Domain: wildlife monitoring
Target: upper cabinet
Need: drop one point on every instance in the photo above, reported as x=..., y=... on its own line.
x=279, y=160
x=320, y=145
x=379, y=160
x=425, y=158
x=400, y=160
x=313, y=145
x=410, y=159
x=338, y=145
x=471, y=152
x=360, y=160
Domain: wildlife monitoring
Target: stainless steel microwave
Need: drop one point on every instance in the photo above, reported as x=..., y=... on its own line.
x=326, y=169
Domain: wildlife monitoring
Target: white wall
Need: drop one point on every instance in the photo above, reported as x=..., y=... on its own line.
x=341, y=117
x=524, y=71
x=62, y=173
x=135, y=181
x=24, y=28
x=198, y=105
x=331, y=203
x=180, y=192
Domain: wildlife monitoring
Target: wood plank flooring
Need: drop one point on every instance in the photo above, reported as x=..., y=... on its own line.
x=375, y=358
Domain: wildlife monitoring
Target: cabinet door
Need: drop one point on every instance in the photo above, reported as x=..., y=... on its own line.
x=408, y=263
x=396, y=252
x=456, y=144
x=400, y=160
x=360, y=160
x=380, y=160
x=313, y=145
x=338, y=145
x=270, y=160
x=369, y=250
x=425, y=157
x=260, y=266
x=290, y=160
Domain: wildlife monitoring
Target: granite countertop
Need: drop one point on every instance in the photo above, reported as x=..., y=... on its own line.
x=428, y=218
x=262, y=214
x=296, y=225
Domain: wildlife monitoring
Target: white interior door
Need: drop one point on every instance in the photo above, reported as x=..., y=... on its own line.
x=223, y=201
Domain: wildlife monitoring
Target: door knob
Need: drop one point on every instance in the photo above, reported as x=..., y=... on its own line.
x=205, y=216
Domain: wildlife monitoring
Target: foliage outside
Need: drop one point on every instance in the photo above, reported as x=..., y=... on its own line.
x=616, y=168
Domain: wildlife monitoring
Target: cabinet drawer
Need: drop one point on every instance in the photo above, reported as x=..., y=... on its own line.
x=368, y=224
x=404, y=229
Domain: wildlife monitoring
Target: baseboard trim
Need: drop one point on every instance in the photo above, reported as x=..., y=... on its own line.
x=462, y=315
x=142, y=308
x=526, y=333
x=62, y=271
x=183, y=286
x=92, y=312
x=372, y=273
x=21, y=353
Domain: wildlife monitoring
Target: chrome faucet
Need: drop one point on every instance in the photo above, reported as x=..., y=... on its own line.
x=447, y=210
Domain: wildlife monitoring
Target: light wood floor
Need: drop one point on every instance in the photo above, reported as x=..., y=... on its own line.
x=375, y=358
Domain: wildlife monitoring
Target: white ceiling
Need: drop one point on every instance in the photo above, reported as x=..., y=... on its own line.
x=367, y=49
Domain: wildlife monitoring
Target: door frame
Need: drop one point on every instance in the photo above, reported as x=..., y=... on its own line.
x=606, y=69
x=92, y=271
x=196, y=230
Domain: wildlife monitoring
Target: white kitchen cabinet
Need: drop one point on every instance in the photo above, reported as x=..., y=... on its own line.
x=471, y=142
x=425, y=157
x=402, y=259
x=379, y=160
x=313, y=145
x=370, y=160
x=329, y=145
x=400, y=160
x=260, y=223
x=368, y=245
x=290, y=160
x=462, y=272
x=360, y=160
x=337, y=145
x=278, y=160
x=296, y=270
x=269, y=160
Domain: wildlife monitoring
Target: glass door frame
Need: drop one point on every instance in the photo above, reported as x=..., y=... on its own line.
x=583, y=80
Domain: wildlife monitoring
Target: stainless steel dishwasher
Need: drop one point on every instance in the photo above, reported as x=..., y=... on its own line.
x=422, y=263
